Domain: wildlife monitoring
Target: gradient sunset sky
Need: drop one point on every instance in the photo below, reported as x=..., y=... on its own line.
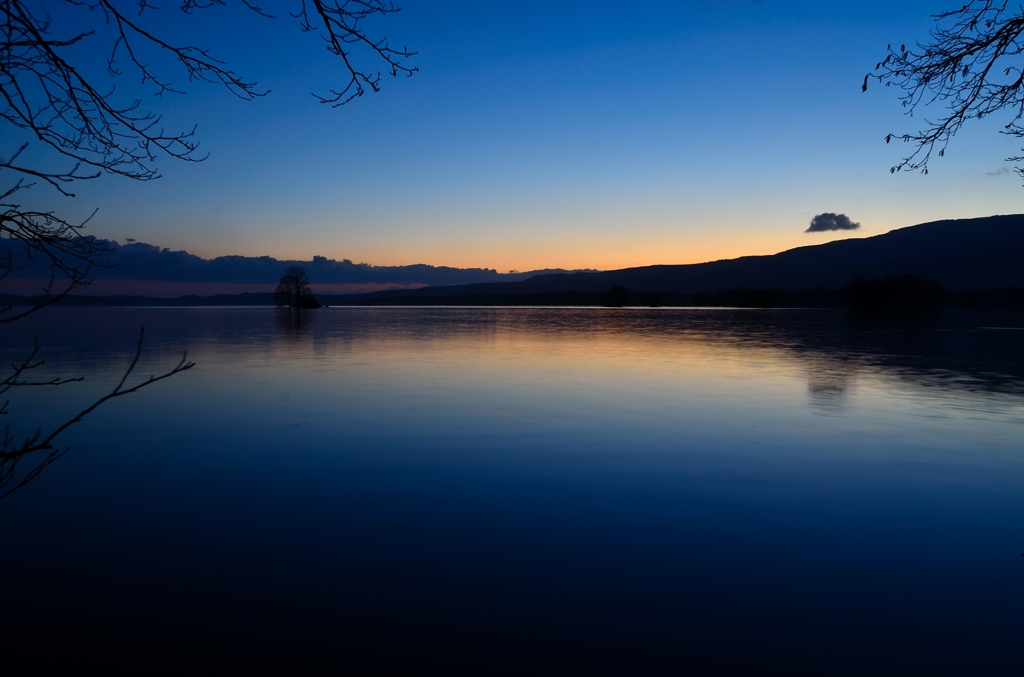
x=552, y=134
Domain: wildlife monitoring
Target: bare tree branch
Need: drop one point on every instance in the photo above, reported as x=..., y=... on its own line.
x=12, y=452
x=340, y=20
x=971, y=67
x=27, y=236
x=46, y=95
x=18, y=370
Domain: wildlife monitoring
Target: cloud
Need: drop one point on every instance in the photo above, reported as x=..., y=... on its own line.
x=829, y=221
x=138, y=262
x=998, y=172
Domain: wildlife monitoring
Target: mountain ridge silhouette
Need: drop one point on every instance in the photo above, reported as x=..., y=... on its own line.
x=959, y=254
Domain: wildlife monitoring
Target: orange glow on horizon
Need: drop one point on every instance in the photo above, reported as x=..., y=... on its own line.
x=523, y=257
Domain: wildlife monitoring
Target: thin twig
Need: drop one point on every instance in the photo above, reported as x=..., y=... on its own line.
x=12, y=453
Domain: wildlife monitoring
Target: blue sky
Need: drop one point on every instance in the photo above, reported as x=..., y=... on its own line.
x=539, y=134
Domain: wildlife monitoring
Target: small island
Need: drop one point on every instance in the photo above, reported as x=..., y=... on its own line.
x=293, y=290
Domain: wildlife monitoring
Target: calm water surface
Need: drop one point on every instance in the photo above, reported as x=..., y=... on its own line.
x=592, y=488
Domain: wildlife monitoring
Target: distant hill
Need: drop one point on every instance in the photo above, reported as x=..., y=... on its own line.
x=961, y=255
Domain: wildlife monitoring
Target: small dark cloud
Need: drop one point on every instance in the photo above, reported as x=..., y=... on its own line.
x=829, y=221
x=998, y=172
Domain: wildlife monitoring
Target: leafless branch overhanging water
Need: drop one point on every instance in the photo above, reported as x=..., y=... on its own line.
x=13, y=452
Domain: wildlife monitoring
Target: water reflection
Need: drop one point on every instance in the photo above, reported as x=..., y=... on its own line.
x=641, y=356
x=618, y=484
x=293, y=324
x=832, y=349
x=829, y=385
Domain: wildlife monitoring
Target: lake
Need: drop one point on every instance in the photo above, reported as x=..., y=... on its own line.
x=552, y=489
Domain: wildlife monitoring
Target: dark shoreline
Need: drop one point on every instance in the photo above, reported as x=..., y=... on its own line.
x=1011, y=298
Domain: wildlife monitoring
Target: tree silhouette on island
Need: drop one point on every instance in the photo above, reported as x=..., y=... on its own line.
x=293, y=290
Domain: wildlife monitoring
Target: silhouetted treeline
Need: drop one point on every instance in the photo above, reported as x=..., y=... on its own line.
x=899, y=293
x=1008, y=298
x=910, y=292
x=616, y=297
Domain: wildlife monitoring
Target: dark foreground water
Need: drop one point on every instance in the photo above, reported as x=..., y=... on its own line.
x=527, y=489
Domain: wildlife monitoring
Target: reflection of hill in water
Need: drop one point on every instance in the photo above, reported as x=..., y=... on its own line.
x=973, y=352
x=955, y=350
x=950, y=351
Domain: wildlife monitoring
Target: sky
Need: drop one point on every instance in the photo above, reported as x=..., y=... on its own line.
x=540, y=135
